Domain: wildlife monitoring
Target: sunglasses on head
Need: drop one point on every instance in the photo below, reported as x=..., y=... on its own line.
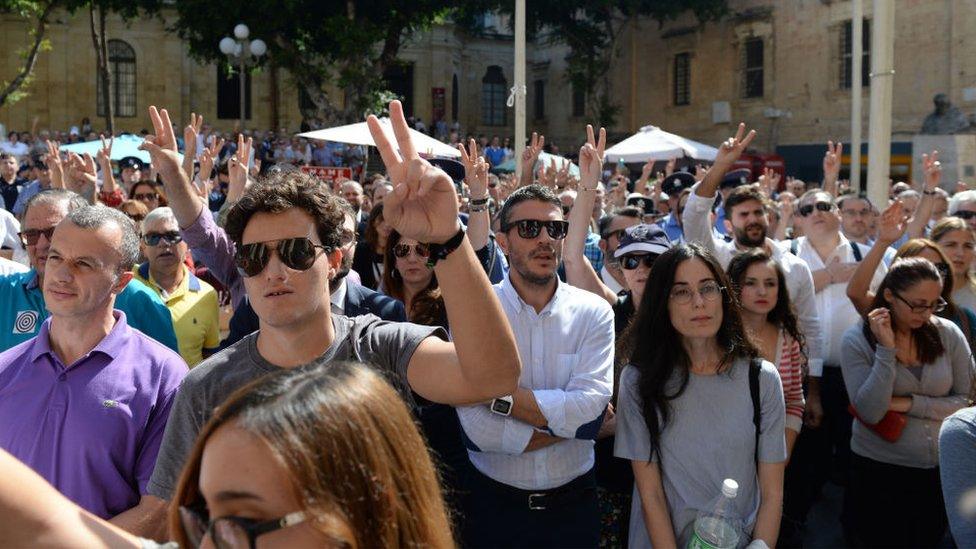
x=631, y=262
x=171, y=238
x=403, y=250
x=530, y=228
x=820, y=206
x=31, y=236
x=298, y=254
x=965, y=214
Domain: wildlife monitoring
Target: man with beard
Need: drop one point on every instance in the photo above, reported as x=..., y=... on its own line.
x=856, y=213
x=745, y=218
x=533, y=451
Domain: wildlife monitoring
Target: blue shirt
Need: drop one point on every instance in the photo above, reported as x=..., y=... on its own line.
x=91, y=428
x=24, y=310
x=671, y=227
x=495, y=155
x=26, y=194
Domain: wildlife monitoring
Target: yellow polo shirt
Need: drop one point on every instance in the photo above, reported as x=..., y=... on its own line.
x=194, y=308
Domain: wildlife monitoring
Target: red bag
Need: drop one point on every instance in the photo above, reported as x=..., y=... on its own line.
x=890, y=426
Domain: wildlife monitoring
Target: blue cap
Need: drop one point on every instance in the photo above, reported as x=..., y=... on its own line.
x=677, y=182
x=736, y=178
x=645, y=237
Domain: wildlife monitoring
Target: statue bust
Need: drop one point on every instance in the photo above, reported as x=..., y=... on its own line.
x=946, y=119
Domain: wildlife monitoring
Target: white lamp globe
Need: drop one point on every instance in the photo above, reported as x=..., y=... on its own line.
x=238, y=48
x=241, y=31
x=259, y=48
x=227, y=45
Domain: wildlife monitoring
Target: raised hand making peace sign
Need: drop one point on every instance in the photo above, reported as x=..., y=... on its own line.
x=475, y=170
x=423, y=205
x=728, y=152
x=591, y=159
x=161, y=146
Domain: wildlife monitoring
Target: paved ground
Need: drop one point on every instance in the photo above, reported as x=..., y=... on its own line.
x=823, y=524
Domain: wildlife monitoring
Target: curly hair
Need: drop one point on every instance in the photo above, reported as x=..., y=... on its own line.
x=281, y=191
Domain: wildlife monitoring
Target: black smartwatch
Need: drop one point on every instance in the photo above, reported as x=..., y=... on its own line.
x=502, y=406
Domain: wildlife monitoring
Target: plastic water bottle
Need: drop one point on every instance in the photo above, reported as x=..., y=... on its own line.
x=718, y=526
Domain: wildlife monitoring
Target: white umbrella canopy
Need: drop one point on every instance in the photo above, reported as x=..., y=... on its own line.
x=124, y=145
x=653, y=143
x=358, y=134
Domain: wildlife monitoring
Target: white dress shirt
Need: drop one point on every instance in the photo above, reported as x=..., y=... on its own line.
x=567, y=362
x=799, y=279
x=609, y=281
x=837, y=312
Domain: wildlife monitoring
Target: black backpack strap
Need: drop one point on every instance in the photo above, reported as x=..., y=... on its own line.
x=794, y=245
x=857, y=251
x=754, y=367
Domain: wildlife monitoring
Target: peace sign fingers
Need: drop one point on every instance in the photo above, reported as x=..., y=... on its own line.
x=391, y=158
x=402, y=132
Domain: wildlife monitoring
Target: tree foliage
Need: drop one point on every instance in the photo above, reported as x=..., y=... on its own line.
x=346, y=43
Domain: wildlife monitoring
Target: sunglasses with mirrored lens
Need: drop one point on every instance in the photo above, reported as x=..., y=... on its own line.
x=403, y=250
x=31, y=236
x=298, y=254
x=530, y=228
x=631, y=262
x=820, y=206
x=965, y=214
x=171, y=238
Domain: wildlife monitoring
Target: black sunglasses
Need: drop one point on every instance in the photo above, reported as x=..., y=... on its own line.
x=146, y=196
x=619, y=233
x=965, y=214
x=530, y=228
x=403, y=250
x=631, y=262
x=820, y=206
x=296, y=253
x=171, y=238
x=31, y=236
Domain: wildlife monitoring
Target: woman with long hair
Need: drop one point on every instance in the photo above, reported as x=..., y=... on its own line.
x=686, y=413
x=368, y=261
x=412, y=281
x=956, y=239
x=769, y=318
x=327, y=456
x=148, y=193
x=905, y=370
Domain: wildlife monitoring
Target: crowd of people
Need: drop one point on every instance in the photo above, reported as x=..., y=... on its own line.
x=441, y=356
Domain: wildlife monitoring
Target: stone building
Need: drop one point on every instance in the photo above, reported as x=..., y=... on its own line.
x=783, y=67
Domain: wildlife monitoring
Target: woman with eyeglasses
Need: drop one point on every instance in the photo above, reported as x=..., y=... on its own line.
x=697, y=406
x=891, y=226
x=759, y=285
x=905, y=370
x=956, y=239
x=327, y=456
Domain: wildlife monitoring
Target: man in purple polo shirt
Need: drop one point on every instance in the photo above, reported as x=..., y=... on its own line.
x=86, y=401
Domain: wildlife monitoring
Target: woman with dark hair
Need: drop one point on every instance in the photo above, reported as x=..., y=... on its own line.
x=327, y=456
x=368, y=261
x=905, y=370
x=688, y=403
x=412, y=281
x=148, y=193
x=768, y=316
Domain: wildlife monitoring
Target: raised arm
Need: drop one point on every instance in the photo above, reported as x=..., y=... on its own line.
x=579, y=271
x=476, y=177
x=482, y=363
x=891, y=227
x=831, y=166
x=54, y=164
x=933, y=173
x=182, y=197
x=529, y=157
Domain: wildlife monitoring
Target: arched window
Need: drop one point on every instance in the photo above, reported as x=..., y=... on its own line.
x=122, y=66
x=493, y=88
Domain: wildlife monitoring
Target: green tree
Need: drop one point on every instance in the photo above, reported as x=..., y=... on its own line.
x=592, y=30
x=348, y=43
x=36, y=14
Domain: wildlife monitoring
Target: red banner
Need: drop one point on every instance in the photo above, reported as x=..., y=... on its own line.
x=329, y=174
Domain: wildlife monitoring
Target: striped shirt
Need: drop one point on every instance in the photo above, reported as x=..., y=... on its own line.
x=789, y=362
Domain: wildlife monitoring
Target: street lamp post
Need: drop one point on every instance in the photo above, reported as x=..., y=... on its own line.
x=244, y=53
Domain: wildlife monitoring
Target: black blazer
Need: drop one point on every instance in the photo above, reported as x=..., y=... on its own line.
x=359, y=301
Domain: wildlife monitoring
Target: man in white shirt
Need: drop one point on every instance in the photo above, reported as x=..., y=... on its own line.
x=745, y=219
x=832, y=258
x=611, y=231
x=533, y=483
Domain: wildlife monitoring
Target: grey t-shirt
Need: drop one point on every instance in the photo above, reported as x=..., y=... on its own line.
x=388, y=346
x=957, y=445
x=709, y=438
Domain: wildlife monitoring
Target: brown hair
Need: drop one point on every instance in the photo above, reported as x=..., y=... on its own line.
x=945, y=226
x=428, y=306
x=371, y=235
x=158, y=189
x=284, y=190
x=140, y=207
x=743, y=194
x=356, y=461
x=904, y=274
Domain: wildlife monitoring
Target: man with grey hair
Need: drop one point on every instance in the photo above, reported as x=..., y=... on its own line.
x=85, y=402
x=24, y=303
x=963, y=206
x=192, y=302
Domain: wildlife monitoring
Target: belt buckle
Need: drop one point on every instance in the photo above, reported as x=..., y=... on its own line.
x=536, y=506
